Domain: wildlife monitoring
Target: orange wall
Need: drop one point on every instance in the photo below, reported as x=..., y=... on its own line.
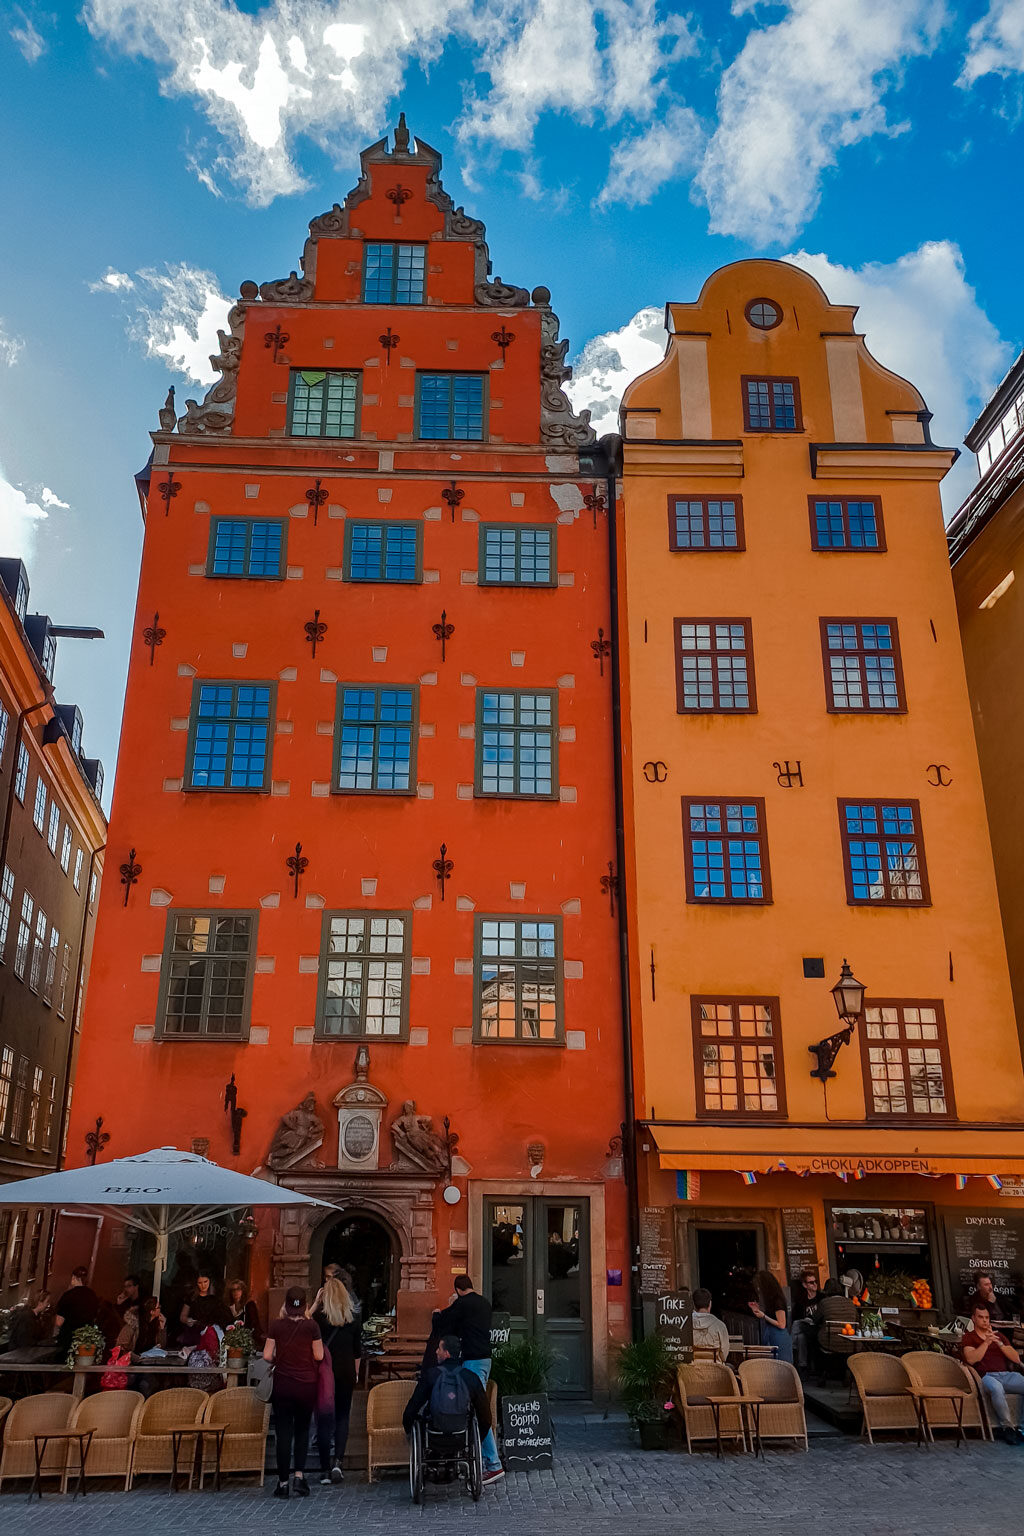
x=500, y=1098
x=783, y=587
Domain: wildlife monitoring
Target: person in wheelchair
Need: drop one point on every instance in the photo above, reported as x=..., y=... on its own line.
x=446, y=1418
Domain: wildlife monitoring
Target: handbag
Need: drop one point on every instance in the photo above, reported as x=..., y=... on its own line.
x=325, y=1379
x=115, y=1381
x=261, y=1378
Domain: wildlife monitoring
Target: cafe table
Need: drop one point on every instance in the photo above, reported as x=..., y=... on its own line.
x=925, y=1395
x=153, y=1369
x=65, y=1437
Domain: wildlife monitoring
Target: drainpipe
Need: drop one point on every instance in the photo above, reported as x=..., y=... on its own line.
x=613, y=450
x=80, y=967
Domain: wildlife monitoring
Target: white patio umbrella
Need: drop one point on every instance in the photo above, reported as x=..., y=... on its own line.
x=161, y=1192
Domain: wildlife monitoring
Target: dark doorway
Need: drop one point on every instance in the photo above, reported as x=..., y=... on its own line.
x=727, y=1257
x=366, y=1247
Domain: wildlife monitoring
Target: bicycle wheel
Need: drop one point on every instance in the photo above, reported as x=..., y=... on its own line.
x=416, y=1463
x=476, y=1460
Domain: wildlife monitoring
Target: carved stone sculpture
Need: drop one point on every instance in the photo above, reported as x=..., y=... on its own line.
x=417, y=1142
x=558, y=421
x=298, y=1134
x=167, y=414
x=333, y=222
x=292, y=289
x=217, y=412
x=501, y=295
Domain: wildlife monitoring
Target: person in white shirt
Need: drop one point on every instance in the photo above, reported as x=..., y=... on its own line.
x=709, y=1332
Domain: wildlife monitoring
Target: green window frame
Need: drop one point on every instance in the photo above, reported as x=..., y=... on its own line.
x=394, y=272
x=230, y=732
x=376, y=550
x=206, y=978
x=516, y=744
x=518, y=980
x=324, y=402
x=364, y=977
x=513, y=555
x=451, y=407
x=244, y=548
x=376, y=731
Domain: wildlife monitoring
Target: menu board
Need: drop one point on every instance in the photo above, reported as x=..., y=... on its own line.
x=526, y=1440
x=986, y=1242
x=673, y=1321
x=798, y=1236
x=657, y=1266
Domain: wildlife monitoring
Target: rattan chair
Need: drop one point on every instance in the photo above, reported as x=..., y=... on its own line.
x=386, y=1443
x=113, y=1418
x=31, y=1416
x=694, y=1385
x=782, y=1412
x=883, y=1387
x=5, y=1408
x=154, y=1447
x=247, y=1421
x=927, y=1368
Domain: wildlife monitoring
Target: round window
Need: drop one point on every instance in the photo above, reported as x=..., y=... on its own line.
x=763, y=314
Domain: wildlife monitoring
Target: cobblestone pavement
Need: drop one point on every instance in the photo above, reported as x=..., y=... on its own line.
x=601, y=1486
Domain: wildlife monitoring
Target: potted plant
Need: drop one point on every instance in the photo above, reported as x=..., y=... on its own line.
x=522, y=1366
x=239, y=1344
x=86, y=1343
x=645, y=1370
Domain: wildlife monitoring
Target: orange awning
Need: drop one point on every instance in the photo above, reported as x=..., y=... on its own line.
x=828, y=1149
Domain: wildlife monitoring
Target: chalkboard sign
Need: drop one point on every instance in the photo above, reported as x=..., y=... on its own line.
x=798, y=1236
x=527, y=1441
x=673, y=1321
x=986, y=1242
x=657, y=1269
x=501, y=1328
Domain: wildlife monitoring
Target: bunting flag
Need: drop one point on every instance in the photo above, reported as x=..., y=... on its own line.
x=842, y=1177
x=749, y=1178
x=961, y=1180
x=858, y=1172
x=687, y=1184
x=781, y=1166
x=994, y=1179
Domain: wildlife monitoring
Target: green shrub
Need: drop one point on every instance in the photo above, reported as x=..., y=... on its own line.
x=645, y=1373
x=522, y=1366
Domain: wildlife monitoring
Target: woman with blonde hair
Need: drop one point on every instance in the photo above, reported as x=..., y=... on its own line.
x=340, y=1332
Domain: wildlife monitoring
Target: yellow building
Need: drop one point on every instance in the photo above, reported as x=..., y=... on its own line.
x=802, y=787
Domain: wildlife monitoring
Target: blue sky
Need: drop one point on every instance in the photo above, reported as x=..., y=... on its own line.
x=156, y=153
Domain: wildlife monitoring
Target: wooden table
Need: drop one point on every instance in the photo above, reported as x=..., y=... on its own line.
x=716, y=1404
x=755, y=1403
x=178, y=1432
x=84, y=1438
x=393, y=1364
x=923, y=1395
x=150, y=1368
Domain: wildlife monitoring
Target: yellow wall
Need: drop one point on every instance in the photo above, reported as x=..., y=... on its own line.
x=993, y=642
x=783, y=587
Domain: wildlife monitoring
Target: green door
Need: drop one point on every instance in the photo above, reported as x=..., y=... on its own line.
x=537, y=1269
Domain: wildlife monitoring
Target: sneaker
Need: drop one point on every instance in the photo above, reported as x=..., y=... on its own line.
x=337, y=1475
x=1008, y=1435
x=281, y=1491
x=494, y=1476
x=325, y=1479
x=300, y=1487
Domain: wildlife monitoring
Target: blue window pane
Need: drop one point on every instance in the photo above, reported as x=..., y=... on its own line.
x=243, y=546
x=517, y=556
x=770, y=405
x=451, y=405
x=394, y=274
x=517, y=744
x=884, y=855
x=232, y=726
x=863, y=525
x=725, y=852
x=265, y=549
x=846, y=525
x=375, y=739
x=383, y=551
x=229, y=541
x=323, y=403
x=706, y=525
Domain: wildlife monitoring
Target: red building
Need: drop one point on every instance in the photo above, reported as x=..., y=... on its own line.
x=369, y=942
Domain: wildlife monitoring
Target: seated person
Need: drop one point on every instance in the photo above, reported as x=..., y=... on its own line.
x=806, y=1298
x=709, y=1332
x=448, y=1365
x=998, y=1365
x=28, y=1333
x=984, y=1295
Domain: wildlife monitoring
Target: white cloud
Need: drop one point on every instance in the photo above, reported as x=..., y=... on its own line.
x=995, y=44
x=799, y=92
x=607, y=364
x=641, y=166
x=179, y=318
x=50, y=498
x=922, y=319
x=28, y=38
x=112, y=282
x=20, y=516
x=306, y=67
x=10, y=347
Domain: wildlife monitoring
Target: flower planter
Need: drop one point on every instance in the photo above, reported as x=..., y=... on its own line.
x=84, y=1355
x=653, y=1436
x=235, y=1360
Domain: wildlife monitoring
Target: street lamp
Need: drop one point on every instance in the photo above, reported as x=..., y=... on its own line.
x=848, y=994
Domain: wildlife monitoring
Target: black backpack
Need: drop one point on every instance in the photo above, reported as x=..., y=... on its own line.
x=449, y=1400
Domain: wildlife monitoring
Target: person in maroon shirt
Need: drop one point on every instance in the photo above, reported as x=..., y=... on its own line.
x=998, y=1364
x=296, y=1348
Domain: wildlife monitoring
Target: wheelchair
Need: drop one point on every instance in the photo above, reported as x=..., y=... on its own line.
x=435, y=1457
